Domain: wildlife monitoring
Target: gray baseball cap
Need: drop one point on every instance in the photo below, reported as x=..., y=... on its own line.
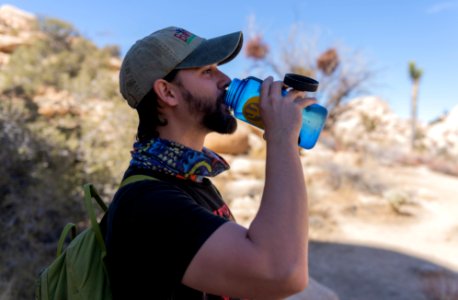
x=157, y=54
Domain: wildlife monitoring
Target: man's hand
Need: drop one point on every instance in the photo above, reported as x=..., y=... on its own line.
x=282, y=115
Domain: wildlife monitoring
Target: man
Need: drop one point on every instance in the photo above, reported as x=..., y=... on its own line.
x=173, y=237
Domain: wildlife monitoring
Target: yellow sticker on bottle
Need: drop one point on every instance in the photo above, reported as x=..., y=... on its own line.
x=252, y=112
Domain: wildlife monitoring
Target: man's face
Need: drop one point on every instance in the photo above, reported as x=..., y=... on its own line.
x=204, y=92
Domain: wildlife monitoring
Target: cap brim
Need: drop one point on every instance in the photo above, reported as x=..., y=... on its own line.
x=218, y=50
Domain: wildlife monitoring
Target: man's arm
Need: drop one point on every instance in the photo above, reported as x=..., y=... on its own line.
x=269, y=259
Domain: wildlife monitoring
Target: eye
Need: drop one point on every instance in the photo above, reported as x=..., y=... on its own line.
x=207, y=70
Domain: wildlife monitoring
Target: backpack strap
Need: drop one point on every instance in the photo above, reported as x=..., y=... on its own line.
x=69, y=228
x=89, y=193
x=135, y=178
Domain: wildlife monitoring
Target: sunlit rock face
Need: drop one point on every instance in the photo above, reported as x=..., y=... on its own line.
x=17, y=28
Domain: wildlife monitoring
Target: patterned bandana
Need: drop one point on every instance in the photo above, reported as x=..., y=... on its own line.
x=174, y=159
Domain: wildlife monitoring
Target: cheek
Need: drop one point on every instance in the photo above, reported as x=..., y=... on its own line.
x=206, y=88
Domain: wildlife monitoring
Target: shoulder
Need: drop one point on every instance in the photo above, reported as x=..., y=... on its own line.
x=151, y=192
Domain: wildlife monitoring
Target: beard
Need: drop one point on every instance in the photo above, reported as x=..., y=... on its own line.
x=216, y=117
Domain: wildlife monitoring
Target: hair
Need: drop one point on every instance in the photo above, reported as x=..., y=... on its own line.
x=149, y=115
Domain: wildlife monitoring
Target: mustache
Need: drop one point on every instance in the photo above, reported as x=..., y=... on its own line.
x=221, y=98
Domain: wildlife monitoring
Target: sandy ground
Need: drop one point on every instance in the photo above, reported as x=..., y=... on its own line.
x=432, y=232
x=411, y=254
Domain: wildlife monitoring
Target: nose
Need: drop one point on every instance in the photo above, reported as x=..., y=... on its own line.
x=223, y=81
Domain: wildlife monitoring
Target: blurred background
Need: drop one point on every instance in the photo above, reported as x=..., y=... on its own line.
x=382, y=180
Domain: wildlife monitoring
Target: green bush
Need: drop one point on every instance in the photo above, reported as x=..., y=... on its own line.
x=38, y=194
x=63, y=59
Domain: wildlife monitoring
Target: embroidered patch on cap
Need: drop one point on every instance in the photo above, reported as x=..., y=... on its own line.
x=184, y=35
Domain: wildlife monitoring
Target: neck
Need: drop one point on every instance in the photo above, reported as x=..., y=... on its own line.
x=183, y=127
x=185, y=136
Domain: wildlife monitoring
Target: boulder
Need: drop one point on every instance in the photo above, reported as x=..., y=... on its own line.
x=17, y=28
x=236, y=143
x=15, y=19
x=370, y=121
x=442, y=136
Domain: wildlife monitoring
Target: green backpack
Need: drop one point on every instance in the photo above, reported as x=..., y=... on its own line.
x=79, y=272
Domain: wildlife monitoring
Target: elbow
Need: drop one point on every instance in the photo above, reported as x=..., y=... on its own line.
x=296, y=280
x=291, y=281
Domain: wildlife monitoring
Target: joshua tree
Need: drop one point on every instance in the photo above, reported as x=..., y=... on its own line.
x=415, y=75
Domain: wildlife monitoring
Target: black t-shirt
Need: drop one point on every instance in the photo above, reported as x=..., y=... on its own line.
x=154, y=230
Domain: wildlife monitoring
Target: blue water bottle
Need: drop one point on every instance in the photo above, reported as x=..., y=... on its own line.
x=243, y=98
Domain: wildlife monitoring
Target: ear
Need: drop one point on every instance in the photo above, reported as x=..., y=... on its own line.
x=166, y=92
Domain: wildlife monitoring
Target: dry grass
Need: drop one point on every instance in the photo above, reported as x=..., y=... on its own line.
x=401, y=202
x=441, y=164
x=359, y=178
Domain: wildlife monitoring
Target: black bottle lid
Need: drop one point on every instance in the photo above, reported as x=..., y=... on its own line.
x=300, y=82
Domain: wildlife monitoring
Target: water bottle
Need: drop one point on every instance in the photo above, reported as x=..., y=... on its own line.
x=243, y=98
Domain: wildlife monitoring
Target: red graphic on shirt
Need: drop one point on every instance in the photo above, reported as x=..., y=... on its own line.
x=224, y=212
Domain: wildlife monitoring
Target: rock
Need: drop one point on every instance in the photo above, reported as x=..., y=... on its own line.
x=9, y=43
x=236, y=143
x=246, y=166
x=244, y=209
x=243, y=187
x=442, y=136
x=369, y=120
x=114, y=63
x=4, y=58
x=17, y=28
x=52, y=103
x=13, y=18
x=369, y=123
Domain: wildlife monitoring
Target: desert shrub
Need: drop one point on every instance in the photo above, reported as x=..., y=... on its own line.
x=47, y=158
x=370, y=123
x=63, y=59
x=361, y=179
x=39, y=192
x=441, y=162
x=45, y=162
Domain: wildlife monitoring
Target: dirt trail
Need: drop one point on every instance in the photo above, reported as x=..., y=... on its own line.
x=433, y=231
x=401, y=258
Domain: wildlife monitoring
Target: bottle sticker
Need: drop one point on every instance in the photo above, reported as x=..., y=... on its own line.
x=252, y=112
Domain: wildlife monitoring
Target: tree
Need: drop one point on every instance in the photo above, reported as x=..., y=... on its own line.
x=415, y=75
x=59, y=33
x=341, y=73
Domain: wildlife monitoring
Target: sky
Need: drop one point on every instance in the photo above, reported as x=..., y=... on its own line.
x=389, y=34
